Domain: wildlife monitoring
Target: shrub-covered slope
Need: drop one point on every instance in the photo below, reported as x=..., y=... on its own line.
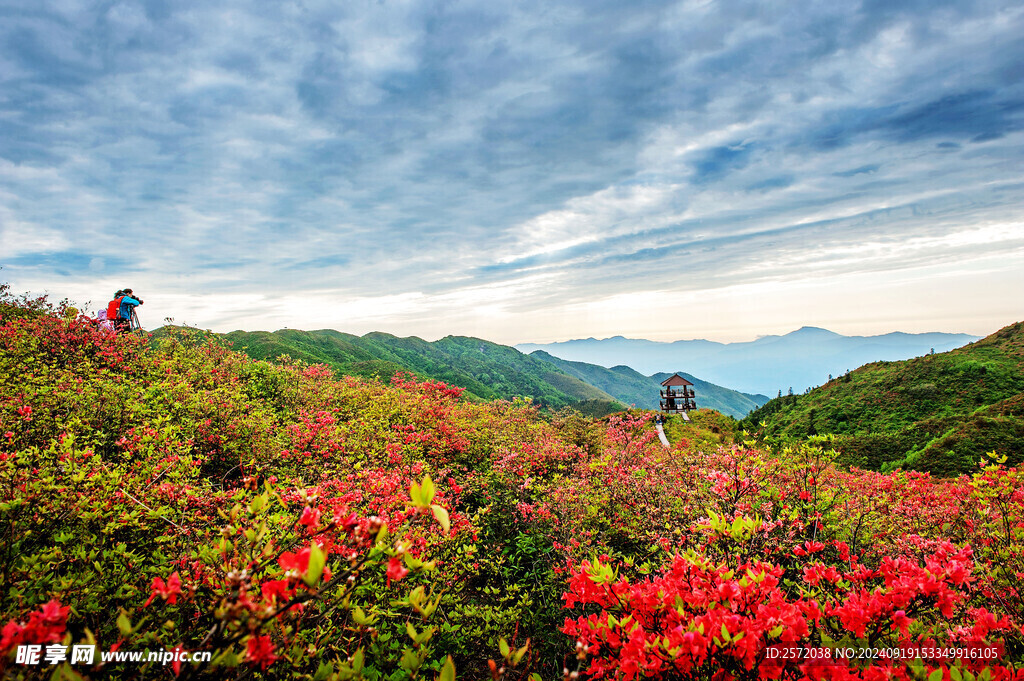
x=939, y=413
x=182, y=496
x=486, y=370
x=634, y=388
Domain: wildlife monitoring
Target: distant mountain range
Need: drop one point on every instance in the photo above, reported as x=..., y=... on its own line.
x=797, y=360
x=486, y=370
x=939, y=413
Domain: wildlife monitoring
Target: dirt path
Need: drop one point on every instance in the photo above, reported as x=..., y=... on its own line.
x=661, y=435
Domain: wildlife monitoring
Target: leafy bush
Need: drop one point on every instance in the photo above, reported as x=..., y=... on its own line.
x=171, y=494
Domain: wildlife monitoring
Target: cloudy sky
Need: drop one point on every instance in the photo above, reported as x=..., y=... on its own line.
x=519, y=171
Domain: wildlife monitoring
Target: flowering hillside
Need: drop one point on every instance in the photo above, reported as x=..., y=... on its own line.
x=939, y=413
x=184, y=499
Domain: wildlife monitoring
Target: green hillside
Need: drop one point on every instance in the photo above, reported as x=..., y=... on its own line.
x=632, y=387
x=625, y=384
x=486, y=370
x=706, y=430
x=940, y=413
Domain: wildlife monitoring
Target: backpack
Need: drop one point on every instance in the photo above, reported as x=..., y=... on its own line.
x=102, y=321
x=113, y=308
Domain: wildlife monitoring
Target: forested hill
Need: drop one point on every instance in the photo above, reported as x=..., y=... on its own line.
x=633, y=387
x=940, y=413
x=486, y=370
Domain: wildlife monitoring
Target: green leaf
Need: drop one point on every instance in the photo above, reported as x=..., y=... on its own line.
x=410, y=660
x=361, y=618
x=323, y=671
x=357, y=661
x=442, y=517
x=427, y=490
x=447, y=671
x=258, y=503
x=317, y=559
x=935, y=675
x=124, y=625
x=518, y=656
x=503, y=647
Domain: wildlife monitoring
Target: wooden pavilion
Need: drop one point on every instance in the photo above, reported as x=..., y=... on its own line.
x=677, y=395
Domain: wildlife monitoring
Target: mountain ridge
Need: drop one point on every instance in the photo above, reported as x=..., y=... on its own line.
x=485, y=369
x=799, y=359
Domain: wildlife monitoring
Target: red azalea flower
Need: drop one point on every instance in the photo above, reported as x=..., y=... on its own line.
x=169, y=590
x=395, y=570
x=276, y=590
x=12, y=636
x=295, y=563
x=310, y=518
x=260, y=650
x=346, y=522
x=46, y=625
x=176, y=664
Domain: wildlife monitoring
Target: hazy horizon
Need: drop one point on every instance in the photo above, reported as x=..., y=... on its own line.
x=604, y=338
x=746, y=340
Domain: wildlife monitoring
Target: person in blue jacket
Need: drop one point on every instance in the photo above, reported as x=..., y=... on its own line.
x=124, y=313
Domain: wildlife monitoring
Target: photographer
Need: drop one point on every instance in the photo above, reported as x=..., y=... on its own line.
x=124, y=315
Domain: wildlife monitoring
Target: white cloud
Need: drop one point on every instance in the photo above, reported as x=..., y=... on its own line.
x=490, y=167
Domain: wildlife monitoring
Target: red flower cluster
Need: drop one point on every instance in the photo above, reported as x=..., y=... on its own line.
x=395, y=570
x=46, y=625
x=259, y=650
x=169, y=590
x=699, y=616
x=693, y=612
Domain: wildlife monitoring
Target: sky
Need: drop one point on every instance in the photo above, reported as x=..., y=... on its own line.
x=521, y=172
